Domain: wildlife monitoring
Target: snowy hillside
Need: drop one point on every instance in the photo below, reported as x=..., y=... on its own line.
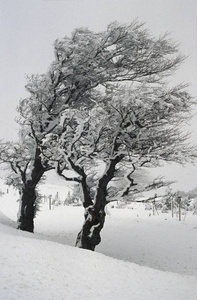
x=152, y=257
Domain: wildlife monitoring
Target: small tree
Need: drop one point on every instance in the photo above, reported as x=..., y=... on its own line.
x=68, y=199
x=25, y=158
x=56, y=200
x=25, y=172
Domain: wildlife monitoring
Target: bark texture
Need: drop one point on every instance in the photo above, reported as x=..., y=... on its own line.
x=89, y=237
x=27, y=209
x=27, y=206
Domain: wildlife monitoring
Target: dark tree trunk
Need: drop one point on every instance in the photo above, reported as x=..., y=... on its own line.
x=89, y=237
x=27, y=207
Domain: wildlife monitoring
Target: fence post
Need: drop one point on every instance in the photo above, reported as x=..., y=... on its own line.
x=179, y=203
x=50, y=202
x=179, y=211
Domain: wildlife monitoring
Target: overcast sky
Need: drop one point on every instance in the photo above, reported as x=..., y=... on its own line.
x=29, y=28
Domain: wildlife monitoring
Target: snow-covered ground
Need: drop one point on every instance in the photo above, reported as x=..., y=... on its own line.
x=141, y=256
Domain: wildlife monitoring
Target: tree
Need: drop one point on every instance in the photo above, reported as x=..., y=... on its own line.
x=25, y=158
x=100, y=121
x=127, y=129
x=26, y=169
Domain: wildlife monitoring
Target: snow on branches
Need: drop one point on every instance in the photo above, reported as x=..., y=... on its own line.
x=104, y=101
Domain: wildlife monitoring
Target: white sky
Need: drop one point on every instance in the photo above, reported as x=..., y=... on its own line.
x=29, y=28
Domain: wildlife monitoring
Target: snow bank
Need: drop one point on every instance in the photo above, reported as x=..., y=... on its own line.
x=36, y=269
x=143, y=249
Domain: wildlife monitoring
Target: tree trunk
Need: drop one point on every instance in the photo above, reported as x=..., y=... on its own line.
x=89, y=237
x=27, y=207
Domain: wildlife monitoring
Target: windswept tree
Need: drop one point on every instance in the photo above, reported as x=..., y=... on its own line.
x=24, y=158
x=115, y=125
x=128, y=128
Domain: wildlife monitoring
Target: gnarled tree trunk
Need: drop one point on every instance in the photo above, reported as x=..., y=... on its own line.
x=27, y=208
x=28, y=197
x=89, y=237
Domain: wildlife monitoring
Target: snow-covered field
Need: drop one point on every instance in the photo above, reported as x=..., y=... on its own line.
x=141, y=256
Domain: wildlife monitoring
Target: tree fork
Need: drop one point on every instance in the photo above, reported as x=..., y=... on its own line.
x=89, y=237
